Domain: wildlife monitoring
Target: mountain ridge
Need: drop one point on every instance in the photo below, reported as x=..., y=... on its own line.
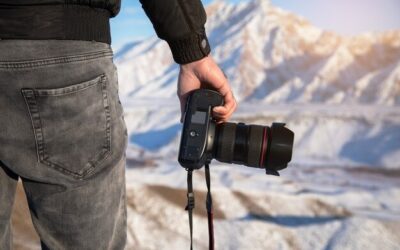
x=274, y=56
x=338, y=94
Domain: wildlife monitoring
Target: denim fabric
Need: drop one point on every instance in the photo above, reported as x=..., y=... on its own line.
x=63, y=134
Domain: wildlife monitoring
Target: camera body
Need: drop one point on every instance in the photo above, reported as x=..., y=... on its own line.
x=202, y=139
x=198, y=133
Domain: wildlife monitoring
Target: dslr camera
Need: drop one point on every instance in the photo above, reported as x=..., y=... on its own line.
x=202, y=139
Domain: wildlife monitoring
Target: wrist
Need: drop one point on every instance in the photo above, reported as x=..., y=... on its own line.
x=195, y=64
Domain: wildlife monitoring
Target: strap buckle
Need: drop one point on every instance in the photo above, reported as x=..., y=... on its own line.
x=191, y=204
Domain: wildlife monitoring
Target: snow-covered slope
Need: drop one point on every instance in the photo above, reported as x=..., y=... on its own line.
x=275, y=56
x=340, y=95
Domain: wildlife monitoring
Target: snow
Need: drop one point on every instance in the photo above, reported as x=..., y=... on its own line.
x=341, y=97
x=305, y=208
x=325, y=134
x=341, y=190
x=274, y=55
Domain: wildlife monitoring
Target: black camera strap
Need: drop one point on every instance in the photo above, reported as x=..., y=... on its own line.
x=209, y=207
x=190, y=204
x=190, y=207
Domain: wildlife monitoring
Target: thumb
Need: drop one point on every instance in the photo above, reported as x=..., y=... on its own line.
x=183, y=105
x=183, y=100
x=187, y=82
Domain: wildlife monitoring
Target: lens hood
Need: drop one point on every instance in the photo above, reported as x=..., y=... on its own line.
x=280, y=148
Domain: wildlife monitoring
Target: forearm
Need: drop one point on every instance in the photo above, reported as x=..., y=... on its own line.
x=181, y=24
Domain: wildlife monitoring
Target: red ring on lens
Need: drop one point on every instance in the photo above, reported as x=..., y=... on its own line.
x=264, y=146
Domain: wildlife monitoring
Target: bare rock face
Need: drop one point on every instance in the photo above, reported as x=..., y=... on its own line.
x=313, y=211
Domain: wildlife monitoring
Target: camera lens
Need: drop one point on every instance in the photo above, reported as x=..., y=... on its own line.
x=254, y=145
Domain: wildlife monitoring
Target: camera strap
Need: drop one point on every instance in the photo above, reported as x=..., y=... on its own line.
x=209, y=207
x=191, y=204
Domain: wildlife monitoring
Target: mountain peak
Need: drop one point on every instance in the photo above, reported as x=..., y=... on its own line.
x=263, y=3
x=274, y=56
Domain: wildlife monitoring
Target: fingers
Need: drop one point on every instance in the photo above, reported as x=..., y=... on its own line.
x=206, y=74
x=220, y=83
x=223, y=113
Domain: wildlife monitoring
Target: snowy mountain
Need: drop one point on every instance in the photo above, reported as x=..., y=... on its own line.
x=340, y=95
x=275, y=56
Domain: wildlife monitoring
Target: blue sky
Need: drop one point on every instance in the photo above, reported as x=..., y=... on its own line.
x=347, y=17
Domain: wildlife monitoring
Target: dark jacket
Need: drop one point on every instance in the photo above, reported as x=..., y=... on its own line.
x=179, y=22
x=113, y=6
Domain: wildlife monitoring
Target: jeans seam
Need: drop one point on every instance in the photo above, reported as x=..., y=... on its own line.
x=69, y=89
x=30, y=100
x=56, y=60
x=34, y=114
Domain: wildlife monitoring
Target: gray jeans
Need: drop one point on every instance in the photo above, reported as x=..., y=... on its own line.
x=62, y=132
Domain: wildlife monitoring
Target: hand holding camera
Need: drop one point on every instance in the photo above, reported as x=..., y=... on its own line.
x=206, y=74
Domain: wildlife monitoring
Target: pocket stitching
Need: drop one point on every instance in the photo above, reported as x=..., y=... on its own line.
x=30, y=100
x=70, y=89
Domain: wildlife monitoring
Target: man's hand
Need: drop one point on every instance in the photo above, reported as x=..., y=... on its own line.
x=205, y=73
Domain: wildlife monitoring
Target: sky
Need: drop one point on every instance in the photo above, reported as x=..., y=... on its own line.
x=346, y=17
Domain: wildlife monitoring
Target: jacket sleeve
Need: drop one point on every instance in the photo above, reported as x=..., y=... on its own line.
x=181, y=24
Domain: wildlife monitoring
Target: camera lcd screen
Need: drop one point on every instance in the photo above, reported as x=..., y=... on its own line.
x=199, y=117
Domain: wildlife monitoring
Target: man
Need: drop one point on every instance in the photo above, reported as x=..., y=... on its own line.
x=61, y=123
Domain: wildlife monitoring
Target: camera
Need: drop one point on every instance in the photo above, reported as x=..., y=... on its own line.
x=202, y=139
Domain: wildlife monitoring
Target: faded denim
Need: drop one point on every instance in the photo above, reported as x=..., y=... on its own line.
x=62, y=132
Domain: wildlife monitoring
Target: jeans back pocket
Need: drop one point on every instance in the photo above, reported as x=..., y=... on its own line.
x=71, y=125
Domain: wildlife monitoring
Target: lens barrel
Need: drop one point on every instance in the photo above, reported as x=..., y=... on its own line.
x=254, y=145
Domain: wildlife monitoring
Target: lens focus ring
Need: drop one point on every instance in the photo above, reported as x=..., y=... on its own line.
x=226, y=142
